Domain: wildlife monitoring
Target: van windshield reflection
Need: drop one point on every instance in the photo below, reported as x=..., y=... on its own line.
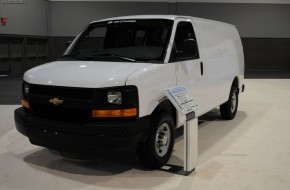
x=143, y=40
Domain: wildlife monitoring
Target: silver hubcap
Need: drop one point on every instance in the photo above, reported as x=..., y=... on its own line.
x=162, y=140
x=233, y=102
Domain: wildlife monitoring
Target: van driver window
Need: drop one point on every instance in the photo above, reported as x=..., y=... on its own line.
x=185, y=45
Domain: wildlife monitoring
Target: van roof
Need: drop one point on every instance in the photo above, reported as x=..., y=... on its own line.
x=168, y=17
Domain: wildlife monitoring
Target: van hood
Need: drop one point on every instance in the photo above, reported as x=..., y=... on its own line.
x=86, y=74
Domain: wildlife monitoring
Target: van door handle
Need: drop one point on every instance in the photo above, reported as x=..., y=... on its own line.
x=201, y=68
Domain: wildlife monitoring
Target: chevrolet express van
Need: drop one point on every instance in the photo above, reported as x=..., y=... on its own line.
x=107, y=90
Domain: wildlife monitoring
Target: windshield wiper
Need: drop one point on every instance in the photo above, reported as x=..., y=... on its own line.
x=114, y=56
x=150, y=61
x=75, y=57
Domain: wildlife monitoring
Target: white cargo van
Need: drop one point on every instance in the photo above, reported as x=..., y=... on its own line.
x=107, y=90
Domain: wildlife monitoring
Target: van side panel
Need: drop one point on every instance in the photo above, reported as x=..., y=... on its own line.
x=151, y=82
x=240, y=57
x=222, y=56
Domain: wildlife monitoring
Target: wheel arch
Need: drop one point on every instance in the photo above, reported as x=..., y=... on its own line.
x=236, y=83
x=166, y=106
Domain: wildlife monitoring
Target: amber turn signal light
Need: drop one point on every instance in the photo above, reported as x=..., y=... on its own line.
x=115, y=113
x=26, y=104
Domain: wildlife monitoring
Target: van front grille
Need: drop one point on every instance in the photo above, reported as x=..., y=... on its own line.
x=61, y=113
x=64, y=92
x=75, y=107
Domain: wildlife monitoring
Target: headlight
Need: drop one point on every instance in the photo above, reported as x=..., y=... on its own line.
x=26, y=89
x=114, y=97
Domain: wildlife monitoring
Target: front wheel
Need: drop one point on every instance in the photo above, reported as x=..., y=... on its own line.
x=228, y=109
x=157, y=149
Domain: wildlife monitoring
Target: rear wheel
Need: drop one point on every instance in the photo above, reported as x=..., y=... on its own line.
x=157, y=149
x=228, y=110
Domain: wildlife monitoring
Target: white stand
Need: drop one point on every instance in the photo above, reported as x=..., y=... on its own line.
x=190, y=147
x=183, y=102
x=190, y=133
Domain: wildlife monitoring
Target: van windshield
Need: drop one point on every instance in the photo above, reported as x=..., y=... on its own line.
x=122, y=40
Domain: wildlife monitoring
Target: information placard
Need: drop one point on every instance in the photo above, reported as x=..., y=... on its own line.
x=184, y=103
x=181, y=99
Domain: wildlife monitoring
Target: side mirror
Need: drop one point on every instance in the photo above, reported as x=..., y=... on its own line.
x=68, y=43
x=187, y=48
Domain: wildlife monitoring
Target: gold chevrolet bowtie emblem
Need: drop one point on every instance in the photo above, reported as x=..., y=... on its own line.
x=55, y=101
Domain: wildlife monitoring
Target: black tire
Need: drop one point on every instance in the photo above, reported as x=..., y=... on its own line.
x=228, y=110
x=148, y=152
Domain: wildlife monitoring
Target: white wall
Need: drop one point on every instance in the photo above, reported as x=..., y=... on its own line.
x=197, y=1
x=252, y=20
x=69, y=18
x=25, y=19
